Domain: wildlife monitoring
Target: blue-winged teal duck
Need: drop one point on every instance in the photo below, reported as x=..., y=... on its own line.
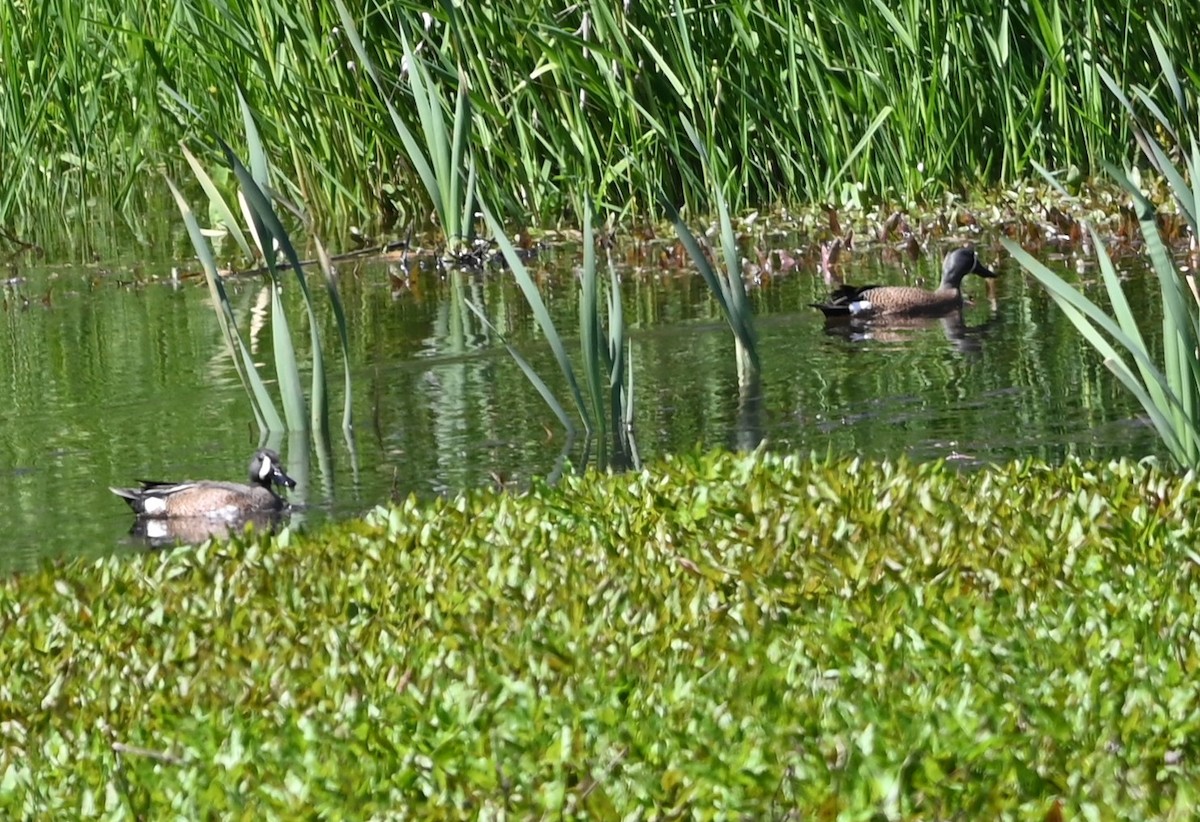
x=907, y=300
x=207, y=498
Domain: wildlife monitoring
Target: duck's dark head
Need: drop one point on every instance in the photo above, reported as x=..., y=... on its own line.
x=266, y=468
x=959, y=263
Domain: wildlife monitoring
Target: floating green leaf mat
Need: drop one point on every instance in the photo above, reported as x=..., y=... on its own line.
x=720, y=636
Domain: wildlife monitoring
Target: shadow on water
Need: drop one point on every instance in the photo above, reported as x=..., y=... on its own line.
x=109, y=377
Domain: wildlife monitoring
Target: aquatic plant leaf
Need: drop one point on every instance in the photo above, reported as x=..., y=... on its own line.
x=415, y=155
x=1153, y=390
x=443, y=164
x=530, y=373
x=265, y=414
x=228, y=220
x=339, y=314
x=589, y=330
x=558, y=648
x=260, y=167
x=902, y=34
x=863, y=142
x=728, y=287
x=1168, y=69
x=1171, y=396
x=540, y=313
x=267, y=224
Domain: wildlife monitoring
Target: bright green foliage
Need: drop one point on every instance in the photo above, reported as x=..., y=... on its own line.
x=442, y=162
x=734, y=636
x=803, y=102
x=271, y=239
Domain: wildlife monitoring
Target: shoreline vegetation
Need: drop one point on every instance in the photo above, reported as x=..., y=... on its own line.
x=792, y=104
x=742, y=635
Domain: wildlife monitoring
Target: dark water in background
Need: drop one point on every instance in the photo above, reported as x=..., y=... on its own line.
x=106, y=381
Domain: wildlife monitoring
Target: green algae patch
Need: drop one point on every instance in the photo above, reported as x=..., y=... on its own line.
x=719, y=636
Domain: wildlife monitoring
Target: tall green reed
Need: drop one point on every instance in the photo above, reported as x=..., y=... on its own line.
x=726, y=283
x=441, y=159
x=447, y=169
x=804, y=102
x=603, y=399
x=257, y=198
x=1168, y=390
x=79, y=124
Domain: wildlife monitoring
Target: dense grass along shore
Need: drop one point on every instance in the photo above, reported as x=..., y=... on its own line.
x=793, y=103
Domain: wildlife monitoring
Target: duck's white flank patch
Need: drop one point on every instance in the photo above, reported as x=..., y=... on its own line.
x=266, y=469
x=227, y=513
x=860, y=306
x=154, y=505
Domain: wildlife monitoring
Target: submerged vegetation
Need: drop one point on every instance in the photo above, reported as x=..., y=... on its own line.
x=803, y=102
x=746, y=636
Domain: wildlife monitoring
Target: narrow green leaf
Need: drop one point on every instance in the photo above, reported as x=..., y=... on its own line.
x=620, y=400
x=1168, y=69
x=1087, y=317
x=254, y=148
x=287, y=369
x=902, y=34
x=265, y=413
x=411, y=147
x=862, y=143
x=528, y=370
x=216, y=201
x=589, y=323
x=729, y=285
x=339, y=314
x=663, y=66
x=540, y=313
x=1115, y=363
x=267, y=225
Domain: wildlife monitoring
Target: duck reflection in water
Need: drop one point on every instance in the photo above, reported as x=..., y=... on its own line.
x=164, y=533
x=901, y=331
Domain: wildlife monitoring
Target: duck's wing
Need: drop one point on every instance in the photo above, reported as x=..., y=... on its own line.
x=157, y=488
x=840, y=300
